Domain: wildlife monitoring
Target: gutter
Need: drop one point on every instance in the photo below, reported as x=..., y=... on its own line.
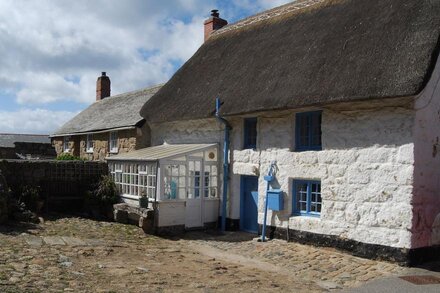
x=225, y=161
x=93, y=132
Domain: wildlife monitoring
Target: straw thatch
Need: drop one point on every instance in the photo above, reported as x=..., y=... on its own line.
x=333, y=51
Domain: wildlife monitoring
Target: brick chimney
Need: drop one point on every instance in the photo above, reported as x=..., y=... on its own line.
x=102, y=87
x=213, y=23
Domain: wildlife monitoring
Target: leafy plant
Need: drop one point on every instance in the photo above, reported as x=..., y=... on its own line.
x=104, y=193
x=30, y=196
x=68, y=157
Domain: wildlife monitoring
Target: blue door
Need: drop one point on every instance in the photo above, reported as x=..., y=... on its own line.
x=249, y=204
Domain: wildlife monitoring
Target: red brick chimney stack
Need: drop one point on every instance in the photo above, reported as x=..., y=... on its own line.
x=102, y=87
x=213, y=23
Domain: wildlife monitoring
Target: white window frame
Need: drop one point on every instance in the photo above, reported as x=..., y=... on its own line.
x=134, y=178
x=89, y=144
x=66, y=142
x=113, y=142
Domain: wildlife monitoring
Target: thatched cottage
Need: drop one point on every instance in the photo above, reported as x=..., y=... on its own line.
x=109, y=126
x=342, y=95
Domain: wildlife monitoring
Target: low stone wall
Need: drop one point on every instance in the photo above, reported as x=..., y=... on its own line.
x=63, y=183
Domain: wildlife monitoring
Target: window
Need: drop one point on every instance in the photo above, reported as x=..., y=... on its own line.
x=307, y=198
x=66, y=142
x=174, y=180
x=135, y=179
x=113, y=142
x=89, y=143
x=308, y=131
x=211, y=179
x=183, y=180
x=250, y=133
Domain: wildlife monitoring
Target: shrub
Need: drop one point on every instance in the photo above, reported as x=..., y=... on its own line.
x=30, y=196
x=105, y=192
x=68, y=157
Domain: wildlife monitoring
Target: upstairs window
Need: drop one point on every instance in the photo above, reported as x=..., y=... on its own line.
x=66, y=141
x=113, y=142
x=250, y=133
x=308, y=131
x=307, y=199
x=89, y=143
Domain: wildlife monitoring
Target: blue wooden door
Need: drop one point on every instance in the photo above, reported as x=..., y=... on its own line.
x=249, y=204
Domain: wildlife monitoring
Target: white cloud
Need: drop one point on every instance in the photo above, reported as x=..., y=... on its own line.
x=42, y=42
x=53, y=51
x=33, y=121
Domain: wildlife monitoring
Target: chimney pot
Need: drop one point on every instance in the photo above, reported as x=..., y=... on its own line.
x=103, y=87
x=213, y=23
x=215, y=13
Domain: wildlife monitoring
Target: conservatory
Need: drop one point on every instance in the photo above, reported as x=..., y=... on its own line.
x=179, y=181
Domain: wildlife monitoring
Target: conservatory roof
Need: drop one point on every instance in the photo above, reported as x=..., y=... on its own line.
x=160, y=152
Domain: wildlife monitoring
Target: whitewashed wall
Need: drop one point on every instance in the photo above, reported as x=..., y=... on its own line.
x=426, y=221
x=366, y=168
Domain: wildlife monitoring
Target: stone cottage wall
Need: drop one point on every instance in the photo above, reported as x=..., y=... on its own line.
x=366, y=168
x=128, y=140
x=426, y=220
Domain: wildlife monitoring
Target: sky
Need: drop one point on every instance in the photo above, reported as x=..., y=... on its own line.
x=52, y=51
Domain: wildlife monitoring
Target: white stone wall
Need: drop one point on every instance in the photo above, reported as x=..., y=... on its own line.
x=365, y=167
x=426, y=221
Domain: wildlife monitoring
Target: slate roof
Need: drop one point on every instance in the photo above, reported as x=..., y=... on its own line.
x=116, y=112
x=306, y=53
x=8, y=140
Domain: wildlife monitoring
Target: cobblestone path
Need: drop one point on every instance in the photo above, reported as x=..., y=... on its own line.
x=326, y=267
x=78, y=255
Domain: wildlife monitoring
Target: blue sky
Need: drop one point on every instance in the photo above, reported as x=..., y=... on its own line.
x=53, y=51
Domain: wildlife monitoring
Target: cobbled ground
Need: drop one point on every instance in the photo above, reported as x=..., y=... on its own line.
x=81, y=255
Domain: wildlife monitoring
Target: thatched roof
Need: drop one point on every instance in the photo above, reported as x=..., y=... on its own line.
x=8, y=140
x=117, y=112
x=296, y=56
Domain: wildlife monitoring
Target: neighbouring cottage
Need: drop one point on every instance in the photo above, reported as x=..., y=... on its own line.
x=26, y=146
x=343, y=95
x=110, y=126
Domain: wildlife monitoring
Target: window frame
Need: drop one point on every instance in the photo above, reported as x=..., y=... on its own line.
x=309, y=115
x=246, y=125
x=66, y=142
x=134, y=178
x=113, y=142
x=89, y=144
x=295, y=198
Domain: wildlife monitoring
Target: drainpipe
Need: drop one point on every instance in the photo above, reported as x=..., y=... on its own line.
x=225, y=161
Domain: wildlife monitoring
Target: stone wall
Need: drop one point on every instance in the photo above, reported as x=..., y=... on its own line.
x=426, y=201
x=365, y=167
x=128, y=140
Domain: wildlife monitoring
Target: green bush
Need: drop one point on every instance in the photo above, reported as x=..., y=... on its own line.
x=31, y=197
x=68, y=157
x=104, y=193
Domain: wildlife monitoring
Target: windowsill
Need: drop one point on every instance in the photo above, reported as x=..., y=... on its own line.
x=308, y=150
x=114, y=152
x=89, y=152
x=129, y=196
x=306, y=216
x=66, y=151
x=249, y=148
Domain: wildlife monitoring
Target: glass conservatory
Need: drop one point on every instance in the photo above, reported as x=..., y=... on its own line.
x=182, y=180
